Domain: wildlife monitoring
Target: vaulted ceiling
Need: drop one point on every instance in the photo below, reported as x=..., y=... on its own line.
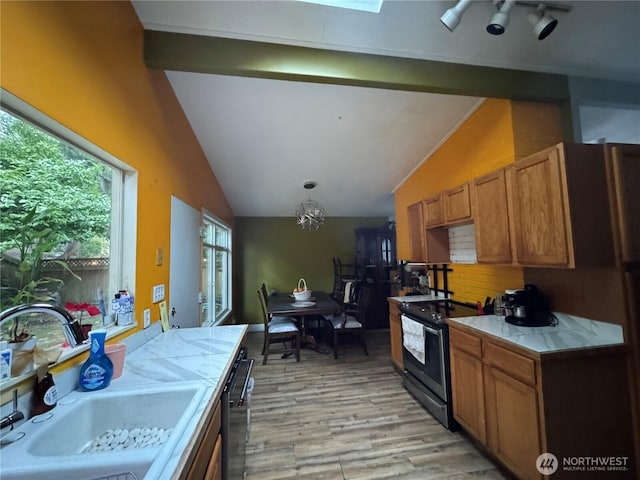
x=279, y=92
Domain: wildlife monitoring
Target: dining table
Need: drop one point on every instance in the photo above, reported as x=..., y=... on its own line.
x=320, y=303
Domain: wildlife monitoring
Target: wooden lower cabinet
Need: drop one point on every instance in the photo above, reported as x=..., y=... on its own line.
x=518, y=403
x=395, y=333
x=206, y=463
x=468, y=392
x=214, y=469
x=513, y=425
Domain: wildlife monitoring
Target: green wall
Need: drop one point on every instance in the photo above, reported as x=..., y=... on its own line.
x=274, y=250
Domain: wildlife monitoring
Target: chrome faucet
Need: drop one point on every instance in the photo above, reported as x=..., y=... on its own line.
x=14, y=416
x=70, y=326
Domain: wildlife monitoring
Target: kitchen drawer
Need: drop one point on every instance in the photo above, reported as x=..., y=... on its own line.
x=466, y=342
x=519, y=367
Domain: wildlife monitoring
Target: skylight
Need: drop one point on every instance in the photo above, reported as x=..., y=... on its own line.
x=373, y=6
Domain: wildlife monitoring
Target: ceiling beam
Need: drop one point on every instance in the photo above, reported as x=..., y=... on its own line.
x=246, y=58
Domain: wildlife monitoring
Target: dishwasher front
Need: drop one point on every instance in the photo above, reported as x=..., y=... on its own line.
x=235, y=417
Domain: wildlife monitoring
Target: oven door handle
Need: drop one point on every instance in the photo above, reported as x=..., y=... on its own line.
x=432, y=331
x=247, y=379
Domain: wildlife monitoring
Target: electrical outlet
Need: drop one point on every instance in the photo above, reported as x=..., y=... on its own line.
x=158, y=293
x=147, y=317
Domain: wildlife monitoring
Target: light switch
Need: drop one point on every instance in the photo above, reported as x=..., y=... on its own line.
x=158, y=293
x=159, y=256
x=147, y=317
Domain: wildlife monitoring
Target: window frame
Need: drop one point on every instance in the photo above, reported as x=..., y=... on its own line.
x=122, y=255
x=224, y=315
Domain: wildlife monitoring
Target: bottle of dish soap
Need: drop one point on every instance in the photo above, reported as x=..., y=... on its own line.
x=97, y=371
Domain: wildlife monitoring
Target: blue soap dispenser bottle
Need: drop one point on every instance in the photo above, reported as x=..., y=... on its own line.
x=97, y=371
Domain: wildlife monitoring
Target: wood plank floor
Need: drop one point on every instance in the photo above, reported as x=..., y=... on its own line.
x=349, y=418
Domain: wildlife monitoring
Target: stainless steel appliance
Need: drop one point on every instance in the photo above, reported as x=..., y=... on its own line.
x=235, y=417
x=527, y=307
x=428, y=377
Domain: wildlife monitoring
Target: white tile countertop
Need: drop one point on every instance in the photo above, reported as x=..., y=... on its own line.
x=571, y=332
x=183, y=354
x=187, y=354
x=155, y=361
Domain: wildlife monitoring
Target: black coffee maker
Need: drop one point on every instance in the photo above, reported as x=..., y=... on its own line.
x=527, y=307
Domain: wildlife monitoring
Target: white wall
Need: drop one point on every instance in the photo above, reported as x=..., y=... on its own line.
x=605, y=110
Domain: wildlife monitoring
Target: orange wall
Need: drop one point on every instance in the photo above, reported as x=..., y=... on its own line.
x=81, y=64
x=496, y=134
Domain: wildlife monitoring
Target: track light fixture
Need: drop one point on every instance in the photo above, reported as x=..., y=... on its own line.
x=451, y=18
x=500, y=20
x=541, y=22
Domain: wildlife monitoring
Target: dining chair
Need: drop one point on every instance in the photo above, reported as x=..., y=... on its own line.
x=273, y=318
x=342, y=273
x=351, y=319
x=277, y=331
x=265, y=293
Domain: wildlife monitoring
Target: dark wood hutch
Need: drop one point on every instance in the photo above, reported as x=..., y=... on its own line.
x=374, y=263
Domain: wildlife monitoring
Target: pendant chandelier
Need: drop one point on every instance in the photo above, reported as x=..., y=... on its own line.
x=309, y=214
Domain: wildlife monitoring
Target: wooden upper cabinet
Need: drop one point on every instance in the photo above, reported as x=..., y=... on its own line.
x=540, y=203
x=432, y=211
x=560, y=208
x=457, y=204
x=437, y=243
x=430, y=245
x=624, y=164
x=493, y=239
x=416, y=232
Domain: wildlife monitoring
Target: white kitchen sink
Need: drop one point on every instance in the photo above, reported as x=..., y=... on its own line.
x=53, y=444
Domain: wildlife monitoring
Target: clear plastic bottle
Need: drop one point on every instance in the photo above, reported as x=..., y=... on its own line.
x=97, y=371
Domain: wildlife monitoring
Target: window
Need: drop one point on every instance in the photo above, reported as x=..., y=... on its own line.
x=216, y=270
x=63, y=224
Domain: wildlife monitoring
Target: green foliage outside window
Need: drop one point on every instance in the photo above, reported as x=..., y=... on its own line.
x=53, y=199
x=39, y=171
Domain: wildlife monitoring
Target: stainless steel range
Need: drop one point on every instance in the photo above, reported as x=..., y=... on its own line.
x=425, y=354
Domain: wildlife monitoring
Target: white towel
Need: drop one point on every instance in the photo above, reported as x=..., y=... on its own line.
x=413, y=337
x=347, y=292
